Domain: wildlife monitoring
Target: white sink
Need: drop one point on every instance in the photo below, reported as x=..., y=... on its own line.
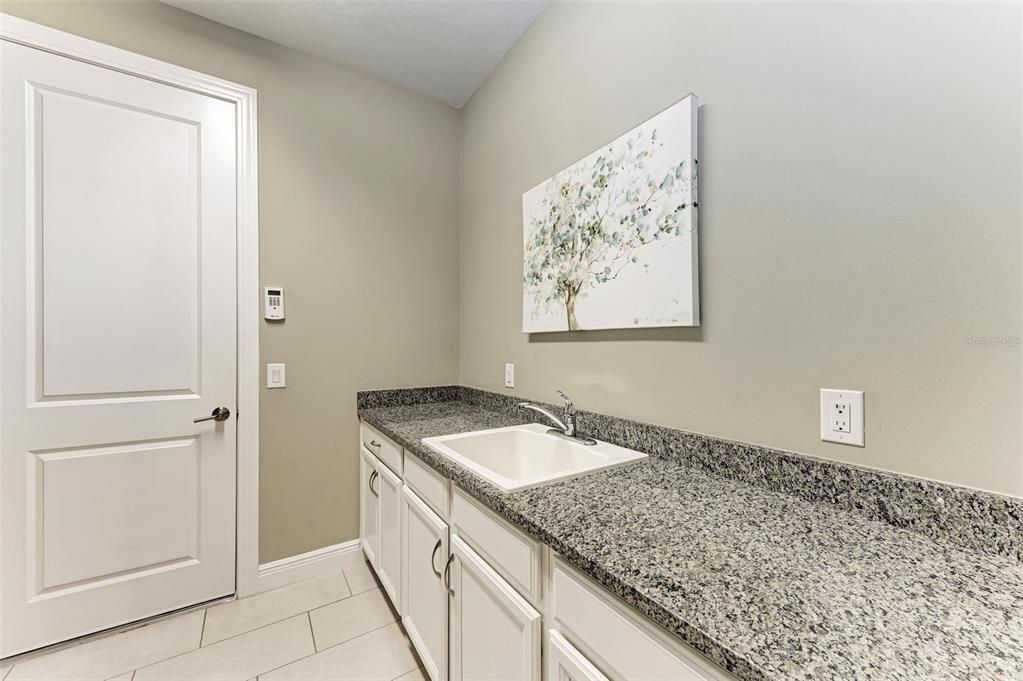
x=518, y=457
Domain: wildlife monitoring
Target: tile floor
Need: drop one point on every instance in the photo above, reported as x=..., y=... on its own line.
x=336, y=627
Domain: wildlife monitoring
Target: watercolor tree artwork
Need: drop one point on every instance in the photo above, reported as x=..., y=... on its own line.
x=611, y=241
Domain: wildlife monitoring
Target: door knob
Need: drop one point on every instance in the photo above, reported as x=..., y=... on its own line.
x=218, y=414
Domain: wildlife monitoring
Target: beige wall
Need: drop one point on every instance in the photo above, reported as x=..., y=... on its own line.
x=859, y=218
x=358, y=219
x=902, y=150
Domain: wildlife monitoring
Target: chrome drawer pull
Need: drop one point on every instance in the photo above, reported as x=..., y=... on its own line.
x=433, y=558
x=447, y=574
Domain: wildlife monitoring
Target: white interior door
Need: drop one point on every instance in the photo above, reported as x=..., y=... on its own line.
x=117, y=266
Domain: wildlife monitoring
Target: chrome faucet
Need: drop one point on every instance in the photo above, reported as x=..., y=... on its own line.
x=567, y=428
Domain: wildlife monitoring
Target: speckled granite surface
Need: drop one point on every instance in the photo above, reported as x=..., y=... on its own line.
x=766, y=583
x=987, y=522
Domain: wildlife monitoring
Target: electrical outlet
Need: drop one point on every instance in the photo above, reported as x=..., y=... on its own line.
x=509, y=375
x=842, y=416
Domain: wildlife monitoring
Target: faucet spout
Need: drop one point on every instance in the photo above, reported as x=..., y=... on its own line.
x=567, y=428
x=537, y=408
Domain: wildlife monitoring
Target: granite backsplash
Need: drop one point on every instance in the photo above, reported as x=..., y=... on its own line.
x=983, y=521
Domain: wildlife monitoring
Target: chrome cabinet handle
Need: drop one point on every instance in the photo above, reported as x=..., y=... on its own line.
x=447, y=574
x=433, y=558
x=218, y=414
x=373, y=476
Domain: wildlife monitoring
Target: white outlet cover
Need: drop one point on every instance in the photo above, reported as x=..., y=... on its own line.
x=509, y=375
x=829, y=432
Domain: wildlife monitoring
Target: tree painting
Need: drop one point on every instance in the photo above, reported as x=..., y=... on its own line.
x=600, y=220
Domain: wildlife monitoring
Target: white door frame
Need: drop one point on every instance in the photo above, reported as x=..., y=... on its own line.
x=41, y=37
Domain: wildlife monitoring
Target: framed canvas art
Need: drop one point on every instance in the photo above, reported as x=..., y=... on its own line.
x=611, y=241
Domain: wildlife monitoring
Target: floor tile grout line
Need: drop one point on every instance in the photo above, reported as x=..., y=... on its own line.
x=114, y=636
x=287, y=617
x=115, y=631
x=195, y=650
x=312, y=634
x=242, y=633
x=202, y=632
x=417, y=667
x=339, y=643
x=348, y=584
x=327, y=605
x=268, y=624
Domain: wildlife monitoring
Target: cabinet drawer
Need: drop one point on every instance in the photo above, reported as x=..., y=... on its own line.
x=621, y=642
x=513, y=553
x=430, y=485
x=381, y=447
x=565, y=663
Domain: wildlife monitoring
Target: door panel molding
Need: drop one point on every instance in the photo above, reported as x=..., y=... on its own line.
x=71, y=545
x=72, y=354
x=244, y=99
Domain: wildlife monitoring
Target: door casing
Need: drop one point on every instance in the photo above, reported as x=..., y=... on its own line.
x=34, y=35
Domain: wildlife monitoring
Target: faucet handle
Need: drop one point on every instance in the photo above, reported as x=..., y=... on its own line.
x=569, y=407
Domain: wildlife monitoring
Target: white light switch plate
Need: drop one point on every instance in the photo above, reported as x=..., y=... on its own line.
x=275, y=376
x=842, y=416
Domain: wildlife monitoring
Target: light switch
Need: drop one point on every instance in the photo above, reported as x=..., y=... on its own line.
x=274, y=375
x=842, y=416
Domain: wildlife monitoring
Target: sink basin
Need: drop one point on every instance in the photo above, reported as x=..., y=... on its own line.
x=519, y=457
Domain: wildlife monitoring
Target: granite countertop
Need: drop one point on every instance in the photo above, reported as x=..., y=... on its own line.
x=767, y=585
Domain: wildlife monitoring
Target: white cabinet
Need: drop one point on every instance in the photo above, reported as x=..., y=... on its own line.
x=429, y=485
x=511, y=552
x=618, y=640
x=472, y=607
x=380, y=522
x=424, y=557
x=565, y=663
x=369, y=515
x=388, y=565
x=381, y=447
x=495, y=633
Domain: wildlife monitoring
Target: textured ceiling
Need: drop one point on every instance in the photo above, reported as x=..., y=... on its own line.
x=440, y=49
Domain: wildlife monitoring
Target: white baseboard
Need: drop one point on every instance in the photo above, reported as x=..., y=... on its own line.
x=315, y=563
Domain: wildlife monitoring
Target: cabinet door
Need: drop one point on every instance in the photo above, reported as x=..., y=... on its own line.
x=495, y=633
x=388, y=487
x=424, y=554
x=565, y=663
x=369, y=508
